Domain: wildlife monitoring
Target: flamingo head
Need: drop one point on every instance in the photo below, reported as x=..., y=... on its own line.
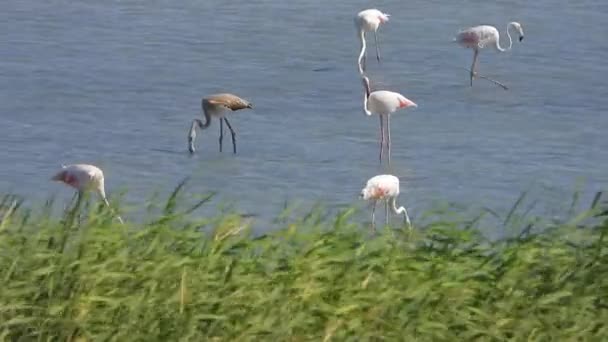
x=365, y=194
x=520, y=30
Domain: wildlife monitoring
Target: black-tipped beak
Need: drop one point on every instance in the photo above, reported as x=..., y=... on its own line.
x=521, y=38
x=250, y=106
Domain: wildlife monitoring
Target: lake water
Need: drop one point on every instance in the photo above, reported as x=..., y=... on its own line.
x=117, y=83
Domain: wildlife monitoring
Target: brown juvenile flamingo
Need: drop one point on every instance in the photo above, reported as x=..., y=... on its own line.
x=216, y=106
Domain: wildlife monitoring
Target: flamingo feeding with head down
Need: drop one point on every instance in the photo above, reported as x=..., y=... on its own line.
x=215, y=106
x=386, y=188
x=84, y=177
x=478, y=37
x=368, y=20
x=384, y=103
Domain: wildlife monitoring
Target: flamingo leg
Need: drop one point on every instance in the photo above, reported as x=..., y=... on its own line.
x=474, y=64
x=233, y=134
x=377, y=47
x=381, y=136
x=388, y=221
x=388, y=138
x=221, y=133
x=374, y=216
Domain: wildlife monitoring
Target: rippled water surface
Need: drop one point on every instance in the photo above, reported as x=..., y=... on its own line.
x=117, y=83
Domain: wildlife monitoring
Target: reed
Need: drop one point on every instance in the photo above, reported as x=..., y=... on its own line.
x=85, y=277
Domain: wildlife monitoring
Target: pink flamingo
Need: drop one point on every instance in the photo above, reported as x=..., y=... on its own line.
x=84, y=177
x=384, y=103
x=386, y=188
x=478, y=37
x=369, y=20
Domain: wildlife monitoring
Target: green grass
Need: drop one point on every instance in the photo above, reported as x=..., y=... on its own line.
x=179, y=278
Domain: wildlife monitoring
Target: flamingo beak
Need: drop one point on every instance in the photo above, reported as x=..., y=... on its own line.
x=250, y=106
x=521, y=38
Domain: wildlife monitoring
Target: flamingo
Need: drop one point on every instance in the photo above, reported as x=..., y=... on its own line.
x=84, y=177
x=478, y=37
x=386, y=188
x=367, y=21
x=216, y=106
x=384, y=103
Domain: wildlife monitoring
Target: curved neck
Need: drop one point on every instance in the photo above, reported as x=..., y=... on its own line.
x=362, y=52
x=365, y=98
x=207, y=116
x=499, y=48
x=400, y=210
x=396, y=210
x=365, y=106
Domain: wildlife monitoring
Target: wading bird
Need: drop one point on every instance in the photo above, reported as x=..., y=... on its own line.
x=386, y=188
x=216, y=106
x=384, y=103
x=84, y=177
x=478, y=37
x=368, y=20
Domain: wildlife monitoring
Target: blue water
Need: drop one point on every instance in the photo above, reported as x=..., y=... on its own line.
x=117, y=83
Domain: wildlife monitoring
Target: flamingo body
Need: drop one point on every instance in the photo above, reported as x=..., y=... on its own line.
x=386, y=102
x=82, y=177
x=384, y=187
x=369, y=20
x=381, y=187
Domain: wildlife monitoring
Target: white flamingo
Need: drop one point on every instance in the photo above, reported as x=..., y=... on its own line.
x=84, y=177
x=386, y=188
x=216, y=106
x=384, y=103
x=368, y=20
x=478, y=37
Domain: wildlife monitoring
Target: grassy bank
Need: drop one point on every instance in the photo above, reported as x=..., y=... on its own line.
x=180, y=278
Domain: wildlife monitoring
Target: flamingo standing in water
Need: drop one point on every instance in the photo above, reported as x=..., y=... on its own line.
x=215, y=106
x=384, y=103
x=386, y=188
x=478, y=37
x=368, y=20
x=84, y=177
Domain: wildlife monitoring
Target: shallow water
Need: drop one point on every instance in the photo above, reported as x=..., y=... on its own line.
x=117, y=83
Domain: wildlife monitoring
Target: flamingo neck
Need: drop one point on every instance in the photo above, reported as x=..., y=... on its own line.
x=366, y=94
x=396, y=210
x=400, y=210
x=207, y=122
x=499, y=48
x=105, y=200
x=365, y=97
x=362, y=52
